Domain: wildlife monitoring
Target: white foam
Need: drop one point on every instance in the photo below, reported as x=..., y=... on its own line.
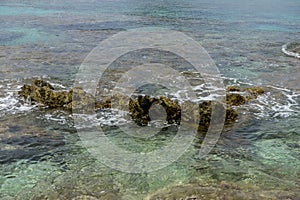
x=9, y=102
x=271, y=107
x=57, y=118
x=267, y=106
x=289, y=53
x=106, y=117
x=57, y=85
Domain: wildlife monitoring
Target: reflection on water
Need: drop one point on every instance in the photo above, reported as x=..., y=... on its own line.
x=41, y=155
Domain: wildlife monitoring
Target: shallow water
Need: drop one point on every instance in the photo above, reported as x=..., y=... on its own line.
x=41, y=152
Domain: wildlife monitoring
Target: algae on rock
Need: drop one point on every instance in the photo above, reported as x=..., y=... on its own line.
x=43, y=93
x=140, y=107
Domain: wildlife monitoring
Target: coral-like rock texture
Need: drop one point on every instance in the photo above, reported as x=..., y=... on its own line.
x=43, y=93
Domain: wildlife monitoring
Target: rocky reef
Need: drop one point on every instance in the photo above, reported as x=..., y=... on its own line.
x=236, y=96
x=43, y=93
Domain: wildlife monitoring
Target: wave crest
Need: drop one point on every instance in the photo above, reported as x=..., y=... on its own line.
x=291, y=49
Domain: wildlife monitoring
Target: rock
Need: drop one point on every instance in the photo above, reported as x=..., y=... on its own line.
x=139, y=110
x=139, y=107
x=233, y=88
x=254, y=92
x=43, y=93
x=205, y=115
x=231, y=115
x=25, y=92
x=50, y=98
x=234, y=99
x=239, y=96
x=82, y=102
x=219, y=191
x=172, y=108
x=205, y=112
x=41, y=83
x=103, y=105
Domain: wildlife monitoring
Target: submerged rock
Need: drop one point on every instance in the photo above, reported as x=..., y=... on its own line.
x=24, y=139
x=218, y=191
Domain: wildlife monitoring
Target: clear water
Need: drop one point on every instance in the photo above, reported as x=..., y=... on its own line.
x=41, y=154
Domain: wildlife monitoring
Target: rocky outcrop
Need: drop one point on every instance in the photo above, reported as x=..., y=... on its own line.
x=42, y=93
x=237, y=96
x=234, y=99
x=45, y=94
x=139, y=109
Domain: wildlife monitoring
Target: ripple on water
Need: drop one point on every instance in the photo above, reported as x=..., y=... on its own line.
x=15, y=138
x=21, y=140
x=21, y=175
x=23, y=36
x=278, y=103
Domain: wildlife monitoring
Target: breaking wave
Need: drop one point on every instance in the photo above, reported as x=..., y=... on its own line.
x=289, y=49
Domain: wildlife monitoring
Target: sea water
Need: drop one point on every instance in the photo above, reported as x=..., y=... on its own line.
x=42, y=155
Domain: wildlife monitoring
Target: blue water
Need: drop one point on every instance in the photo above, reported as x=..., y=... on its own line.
x=41, y=154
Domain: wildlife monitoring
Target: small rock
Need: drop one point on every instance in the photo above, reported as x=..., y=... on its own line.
x=254, y=92
x=235, y=99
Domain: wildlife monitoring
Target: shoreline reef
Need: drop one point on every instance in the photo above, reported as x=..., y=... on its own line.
x=43, y=93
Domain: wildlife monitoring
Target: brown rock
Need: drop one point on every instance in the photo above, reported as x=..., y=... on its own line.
x=81, y=101
x=43, y=93
x=235, y=99
x=233, y=88
x=139, y=107
x=254, y=92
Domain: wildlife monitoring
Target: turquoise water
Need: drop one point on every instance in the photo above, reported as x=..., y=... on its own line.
x=24, y=10
x=41, y=154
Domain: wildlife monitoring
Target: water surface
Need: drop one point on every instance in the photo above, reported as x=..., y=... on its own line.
x=41, y=154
